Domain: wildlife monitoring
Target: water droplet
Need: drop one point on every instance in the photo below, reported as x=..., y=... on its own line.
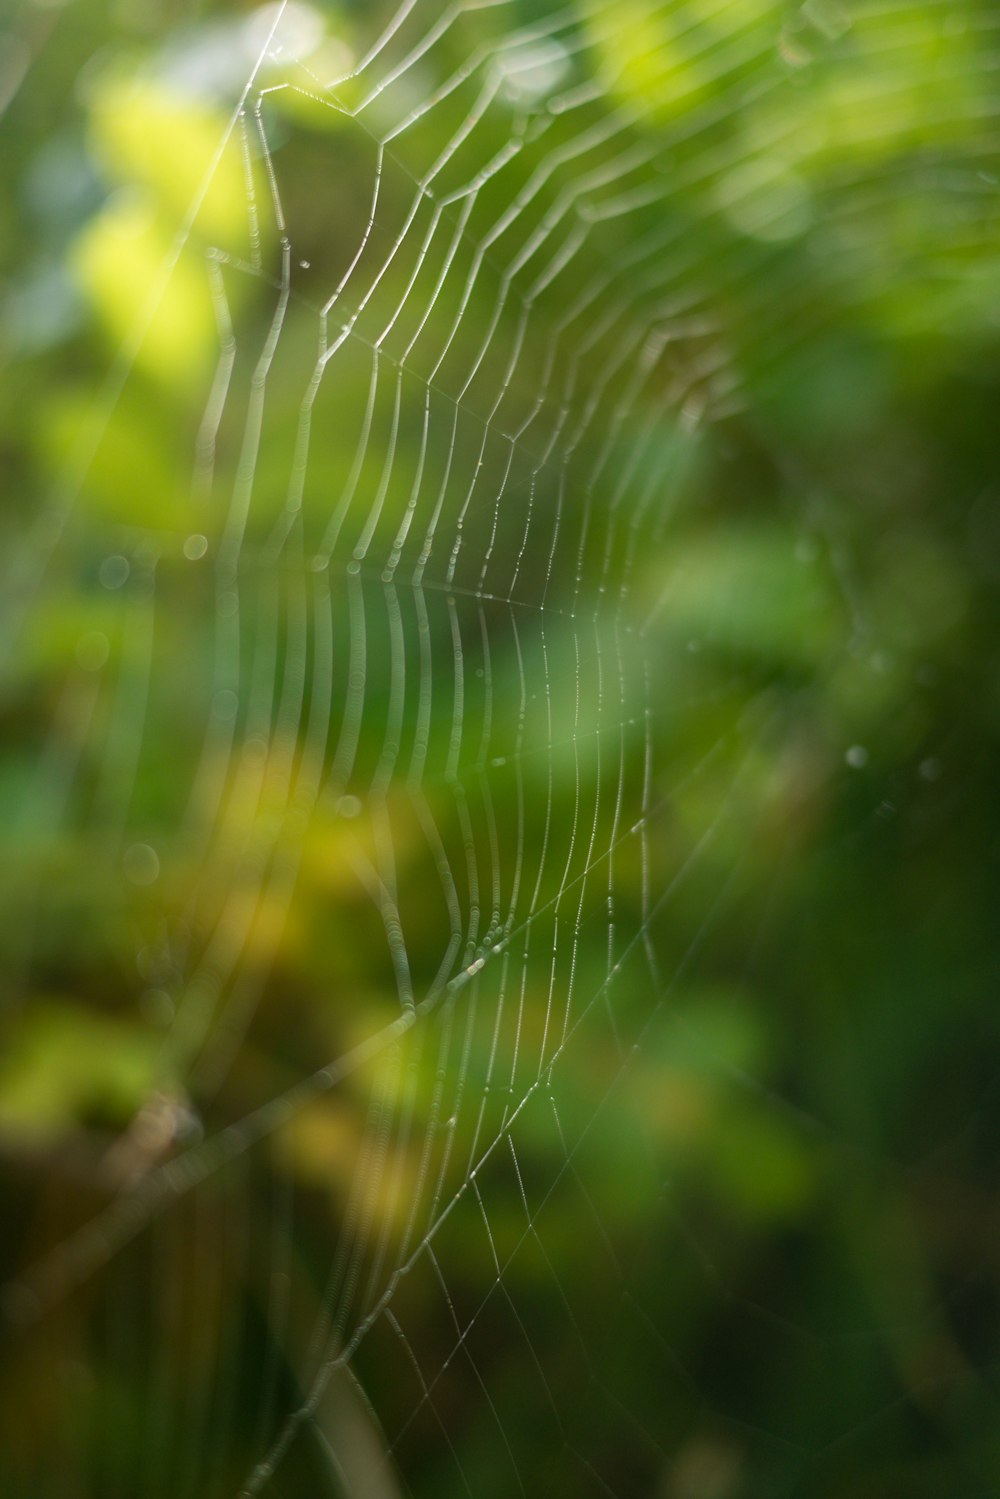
x=141, y=864
x=114, y=570
x=195, y=546
x=225, y=703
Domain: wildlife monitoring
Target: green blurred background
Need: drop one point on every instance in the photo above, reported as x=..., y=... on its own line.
x=583, y=680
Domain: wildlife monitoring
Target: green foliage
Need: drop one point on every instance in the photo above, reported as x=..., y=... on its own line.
x=782, y=1112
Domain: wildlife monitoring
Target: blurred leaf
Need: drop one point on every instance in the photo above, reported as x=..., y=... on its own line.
x=66, y=1063
x=148, y=301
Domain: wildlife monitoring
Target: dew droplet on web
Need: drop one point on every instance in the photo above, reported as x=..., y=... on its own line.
x=114, y=570
x=225, y=704
x=141, y=864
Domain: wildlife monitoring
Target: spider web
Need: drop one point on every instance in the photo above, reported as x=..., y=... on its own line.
x=410, y=629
